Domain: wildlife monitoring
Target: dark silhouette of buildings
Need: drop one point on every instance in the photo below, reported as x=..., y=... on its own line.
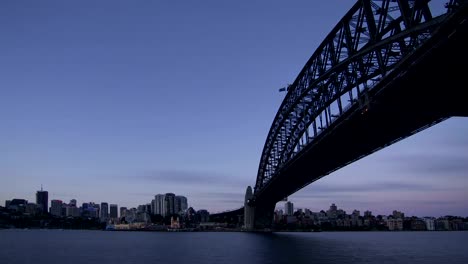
x=42, y=199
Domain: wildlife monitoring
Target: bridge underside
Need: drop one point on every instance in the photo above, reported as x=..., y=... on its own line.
x=428, y=88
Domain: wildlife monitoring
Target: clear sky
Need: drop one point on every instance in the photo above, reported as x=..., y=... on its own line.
x=117, y=101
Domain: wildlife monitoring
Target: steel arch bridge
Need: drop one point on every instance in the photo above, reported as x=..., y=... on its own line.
x=374, y=43
x=369, y=42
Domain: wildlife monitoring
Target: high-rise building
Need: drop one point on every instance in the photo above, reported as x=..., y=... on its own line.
x=289, y=208
x=158, y=204
x=332, y=213
x=123, y=211
x=169, y=202
x=104, y=211
x=113, y=211
x=32, y=209
x=356, y=214
x=177, y=205
x=397, y=214
x=280, y=213
x=42, y=199
x=430, y=223
x=181, y=203
x=367, y=214
x=153, y=206
x=90, y=209
x=18, y=205
x=72, y=211
x=72, y=202
x=141, y=208
x=56, y=207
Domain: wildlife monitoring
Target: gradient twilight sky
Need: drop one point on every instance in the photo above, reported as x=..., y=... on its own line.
x=117, y=101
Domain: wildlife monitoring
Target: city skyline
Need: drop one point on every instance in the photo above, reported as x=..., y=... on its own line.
x=287, y=206
x=119, y=102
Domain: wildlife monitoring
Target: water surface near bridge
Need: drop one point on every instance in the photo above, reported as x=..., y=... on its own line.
x=73, y=246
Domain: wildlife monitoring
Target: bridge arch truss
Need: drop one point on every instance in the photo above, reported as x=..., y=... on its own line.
x=370, y=41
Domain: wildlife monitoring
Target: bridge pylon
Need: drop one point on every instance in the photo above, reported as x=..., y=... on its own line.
x=249, y=211
x=257, y=216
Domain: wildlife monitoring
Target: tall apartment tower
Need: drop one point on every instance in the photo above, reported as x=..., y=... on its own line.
x=289, y=208
x=181, y=204
x=42, y=199
x=169, y=202
x=104, y=212
x=158, y=204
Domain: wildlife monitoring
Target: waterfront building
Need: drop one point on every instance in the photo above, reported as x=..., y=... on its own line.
x=356, y=218
x=72, y=211
x=418, y=224
x=148, y=208
x=289, y=208
x=56, y=207
x=332, y=212
x=113, y=211
x=430, y=223
x=176, y=205
x=42, y=199
x=129, y=214
x=397, y=214
x=123, y=211
x=169, y=202
x=291, y=219
x=141, y=208
x=395, y=224
x=278, y=216
x=367, y=214
x=90, y=209
x=203, y=216
x=181, y=203
x=32, y=208
x=158, y=204
x=442, y=224
x=18, y=205
x=104, y=214
x=142, y=217
x=153, y=206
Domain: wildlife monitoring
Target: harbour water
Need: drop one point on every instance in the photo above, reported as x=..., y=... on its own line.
x=83, y=246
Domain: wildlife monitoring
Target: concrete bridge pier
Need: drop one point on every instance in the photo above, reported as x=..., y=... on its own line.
x=257, y=216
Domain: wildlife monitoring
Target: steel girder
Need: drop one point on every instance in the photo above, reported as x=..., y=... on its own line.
x=367, y=44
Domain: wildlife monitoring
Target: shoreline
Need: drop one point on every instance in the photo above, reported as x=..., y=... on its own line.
x=235, y=230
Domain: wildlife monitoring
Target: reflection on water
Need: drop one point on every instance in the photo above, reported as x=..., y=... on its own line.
x=56, y=246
